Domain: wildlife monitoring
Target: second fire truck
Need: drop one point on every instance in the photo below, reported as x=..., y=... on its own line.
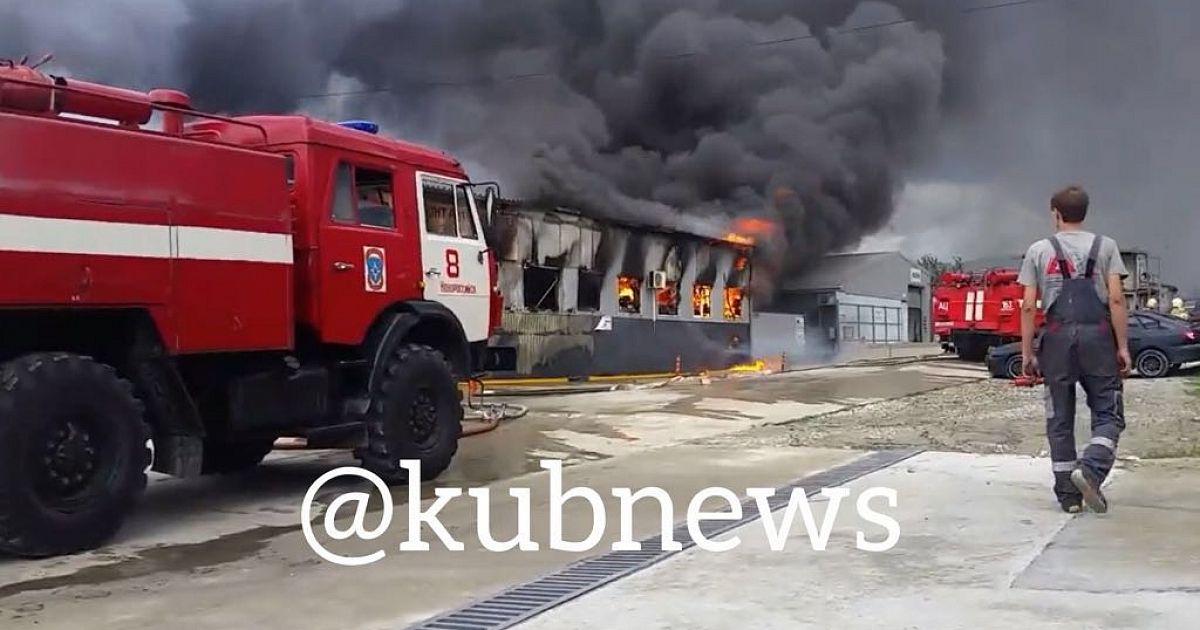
x=975, y=311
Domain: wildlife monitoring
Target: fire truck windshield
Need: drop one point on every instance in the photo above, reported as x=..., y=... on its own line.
x=483, y=196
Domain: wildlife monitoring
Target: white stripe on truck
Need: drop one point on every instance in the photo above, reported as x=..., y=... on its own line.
x=20, y=233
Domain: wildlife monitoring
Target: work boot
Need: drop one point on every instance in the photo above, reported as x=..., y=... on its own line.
x=1090, y=488
x=1067, y=494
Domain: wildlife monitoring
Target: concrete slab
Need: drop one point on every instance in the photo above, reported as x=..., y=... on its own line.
x=1131, y=550
x=971, y=525
x=1148, y=542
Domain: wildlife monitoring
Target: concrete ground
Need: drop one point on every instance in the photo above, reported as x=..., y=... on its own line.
x=228, y=552
x=983, y=549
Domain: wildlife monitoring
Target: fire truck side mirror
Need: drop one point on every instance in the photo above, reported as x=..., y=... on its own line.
x=489, y=204
x=487, y=195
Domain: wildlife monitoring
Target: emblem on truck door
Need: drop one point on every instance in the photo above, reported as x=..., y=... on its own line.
x=375, y=269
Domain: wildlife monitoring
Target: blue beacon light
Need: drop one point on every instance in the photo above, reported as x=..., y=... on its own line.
x=361, y=125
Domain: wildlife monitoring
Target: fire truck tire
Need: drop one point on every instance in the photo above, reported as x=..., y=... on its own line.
x=227, y=458
x=74, y=453
x=415, y=414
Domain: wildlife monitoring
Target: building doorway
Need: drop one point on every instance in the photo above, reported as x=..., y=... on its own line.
x=915, y=327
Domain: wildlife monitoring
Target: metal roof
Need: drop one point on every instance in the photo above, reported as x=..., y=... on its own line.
x=836, y=270
x=521, y=205
x=994, y=262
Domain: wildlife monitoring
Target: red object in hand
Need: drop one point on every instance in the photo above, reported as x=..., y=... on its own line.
x=1034, y=381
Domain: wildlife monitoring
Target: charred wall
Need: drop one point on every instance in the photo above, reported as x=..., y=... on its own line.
x=579, y=298
x=550, y=345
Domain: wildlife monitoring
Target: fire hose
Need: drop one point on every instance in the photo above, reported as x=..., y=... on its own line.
x=482, y=418
x=486, y=417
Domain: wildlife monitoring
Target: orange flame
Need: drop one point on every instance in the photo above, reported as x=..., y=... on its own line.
x=734, y=297
x=758, y=365
x=738, y=239
x=750, y=230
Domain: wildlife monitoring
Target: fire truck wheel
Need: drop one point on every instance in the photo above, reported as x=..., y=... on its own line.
x=73, y=454
x=226, y=458
x=415, y=414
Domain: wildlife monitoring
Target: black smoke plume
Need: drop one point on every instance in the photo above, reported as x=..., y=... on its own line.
x=981, y=114
x=682, y=113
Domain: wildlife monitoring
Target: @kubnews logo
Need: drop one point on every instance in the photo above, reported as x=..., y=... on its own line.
x=352, y=510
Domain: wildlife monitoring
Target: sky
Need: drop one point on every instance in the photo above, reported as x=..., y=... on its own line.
x=1102, y=94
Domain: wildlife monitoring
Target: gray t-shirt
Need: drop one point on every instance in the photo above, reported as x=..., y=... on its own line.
x=1040, y=267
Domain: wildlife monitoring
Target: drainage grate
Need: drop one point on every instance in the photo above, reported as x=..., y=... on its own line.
x=523, y=602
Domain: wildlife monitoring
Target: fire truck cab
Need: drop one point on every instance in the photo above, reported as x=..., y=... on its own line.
x=179, y=290
x=377, y=223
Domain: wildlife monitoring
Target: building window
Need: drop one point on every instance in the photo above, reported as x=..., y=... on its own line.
x=702, y=301
x=629, y=294
x=591, y=284
x=668, y=299
x=734, y=300
x=873, y=324
x=541, y=288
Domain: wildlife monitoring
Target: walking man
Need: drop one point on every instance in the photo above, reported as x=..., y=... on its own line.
x=1084, y=341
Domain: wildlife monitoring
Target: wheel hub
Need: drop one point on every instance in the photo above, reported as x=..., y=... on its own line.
x=1151, y=364
x=1015, y=367
x=69, y=459
x=424, y=415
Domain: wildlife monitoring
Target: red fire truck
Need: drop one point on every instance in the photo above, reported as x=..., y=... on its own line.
x=976, y=311
x=180, y=289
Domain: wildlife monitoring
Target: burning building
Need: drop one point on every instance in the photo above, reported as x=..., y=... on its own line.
x=589, y=296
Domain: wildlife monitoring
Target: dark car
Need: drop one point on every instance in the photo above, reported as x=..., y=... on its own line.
x=1158, y=344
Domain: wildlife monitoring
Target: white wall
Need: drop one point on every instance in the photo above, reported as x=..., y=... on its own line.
x=772, y=334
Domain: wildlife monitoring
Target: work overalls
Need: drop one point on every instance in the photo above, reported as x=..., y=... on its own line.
x=1078, y=346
